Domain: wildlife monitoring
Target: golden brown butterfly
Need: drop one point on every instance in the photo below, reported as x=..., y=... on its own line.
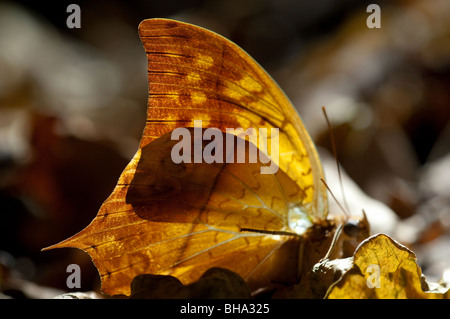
x=182, y=219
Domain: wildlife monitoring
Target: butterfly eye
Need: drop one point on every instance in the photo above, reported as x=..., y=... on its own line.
x=352, y=228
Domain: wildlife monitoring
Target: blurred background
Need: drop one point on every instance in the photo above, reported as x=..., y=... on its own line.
x=73, y=107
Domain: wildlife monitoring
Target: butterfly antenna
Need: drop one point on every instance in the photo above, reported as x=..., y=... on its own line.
x=338, y=231
x=335, y=199
x=333, y=148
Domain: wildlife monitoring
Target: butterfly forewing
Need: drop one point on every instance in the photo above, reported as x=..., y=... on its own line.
x=195, y=74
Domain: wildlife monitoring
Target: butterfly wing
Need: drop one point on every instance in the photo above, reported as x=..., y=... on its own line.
x=197, y=74
x=181, y=219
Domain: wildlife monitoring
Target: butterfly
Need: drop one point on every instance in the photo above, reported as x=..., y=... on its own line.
x=183, y=218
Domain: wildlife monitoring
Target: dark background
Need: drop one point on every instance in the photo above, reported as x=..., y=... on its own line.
x=73, y=104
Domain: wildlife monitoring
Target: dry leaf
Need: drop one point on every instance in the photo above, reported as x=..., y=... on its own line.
x=383, y=269
x=214, y=283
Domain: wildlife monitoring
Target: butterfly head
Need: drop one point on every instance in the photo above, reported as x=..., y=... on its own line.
x=349, y=234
